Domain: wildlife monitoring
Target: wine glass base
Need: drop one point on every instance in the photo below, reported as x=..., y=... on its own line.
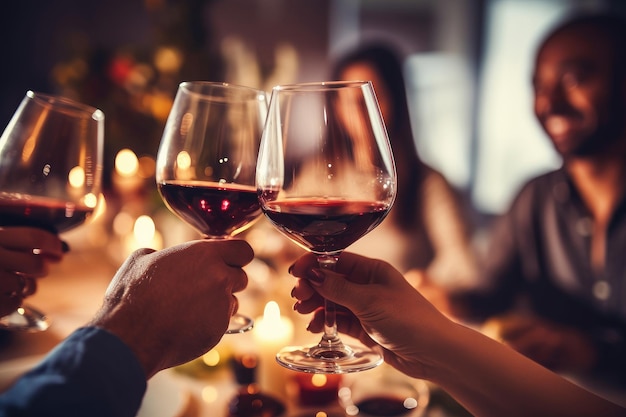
x=239, y=324
x=319, y=360
x=25, y=318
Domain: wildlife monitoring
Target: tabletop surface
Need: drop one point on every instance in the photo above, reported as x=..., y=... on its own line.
x=73, y=292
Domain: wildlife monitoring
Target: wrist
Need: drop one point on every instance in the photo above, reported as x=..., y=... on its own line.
x=445, y=345
x=125, y=331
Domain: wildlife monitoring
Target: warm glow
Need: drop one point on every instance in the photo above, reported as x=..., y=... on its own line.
x=209, y=394
x=183, y=160
x=252, y=389
x=91, y=200
x=98, y=202
x=144, y=230
x=321, y=414
x=160, y=105
x=141, y=233
x=122, y=223
x=146, y=166
x=319, y=380
x=168, y=59
x=271, y=313
x=211, y=358
x=249, y=361
x=271, y=332
x=272, y=328
x=76, y=177
x=126, y=163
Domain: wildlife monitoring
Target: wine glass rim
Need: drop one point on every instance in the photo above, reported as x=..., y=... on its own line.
x=67, y=105
x=217, y=86
x=322, y=85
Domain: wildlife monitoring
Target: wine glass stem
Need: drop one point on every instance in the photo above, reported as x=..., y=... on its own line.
x=330, y=336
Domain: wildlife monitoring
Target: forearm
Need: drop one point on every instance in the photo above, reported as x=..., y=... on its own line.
x=91, y=373
x=490, y=379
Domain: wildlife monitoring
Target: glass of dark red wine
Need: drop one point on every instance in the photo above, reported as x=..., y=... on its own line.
x=326, y=177
x=206, y=161
x=50, y=174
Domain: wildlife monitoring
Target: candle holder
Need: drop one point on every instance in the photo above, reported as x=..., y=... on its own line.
x=270, y=333
x=245, y=368
x=317, y=389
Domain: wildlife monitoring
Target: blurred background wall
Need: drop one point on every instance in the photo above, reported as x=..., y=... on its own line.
x=468, y=66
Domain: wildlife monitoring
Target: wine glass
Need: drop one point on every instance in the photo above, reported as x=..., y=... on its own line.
x=206, y=161
x=50, y=174
x=326, y=177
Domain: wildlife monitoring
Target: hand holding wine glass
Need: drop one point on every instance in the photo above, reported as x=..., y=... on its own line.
x=20, y=268
x=50, y=174
x=207, y=159
x=325, y=178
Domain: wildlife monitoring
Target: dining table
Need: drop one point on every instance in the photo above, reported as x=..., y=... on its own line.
x=73, y=291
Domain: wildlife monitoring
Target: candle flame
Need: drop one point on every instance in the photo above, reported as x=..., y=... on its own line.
x=272, y=328
x=144, y=229
x=76, y=177
x=271, y=313
x=126, y=163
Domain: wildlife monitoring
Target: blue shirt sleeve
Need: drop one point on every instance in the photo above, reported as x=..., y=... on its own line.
x=91, y=373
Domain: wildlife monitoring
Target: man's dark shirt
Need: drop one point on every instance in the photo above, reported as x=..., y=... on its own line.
x=539, y=256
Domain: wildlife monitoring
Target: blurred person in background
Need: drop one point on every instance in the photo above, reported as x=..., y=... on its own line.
x=553, y=282
x=428, y=227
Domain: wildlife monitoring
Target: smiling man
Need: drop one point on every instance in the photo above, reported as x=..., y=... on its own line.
x=555, y=272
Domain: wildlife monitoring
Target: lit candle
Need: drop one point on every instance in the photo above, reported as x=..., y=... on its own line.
x=144, y=235
x=317, y=389
x=125, y=175
x=272, y=333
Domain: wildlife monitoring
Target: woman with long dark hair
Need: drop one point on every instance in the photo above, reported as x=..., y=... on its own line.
x=427, y=229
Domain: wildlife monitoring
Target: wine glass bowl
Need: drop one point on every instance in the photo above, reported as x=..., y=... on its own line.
x=206, y=161
x=50, y=173
x=325, y=178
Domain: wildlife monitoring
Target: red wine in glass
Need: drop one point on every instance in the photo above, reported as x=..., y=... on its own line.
x=325, y=225
x=43, y=212
x=50, y=174
x=216, y=210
